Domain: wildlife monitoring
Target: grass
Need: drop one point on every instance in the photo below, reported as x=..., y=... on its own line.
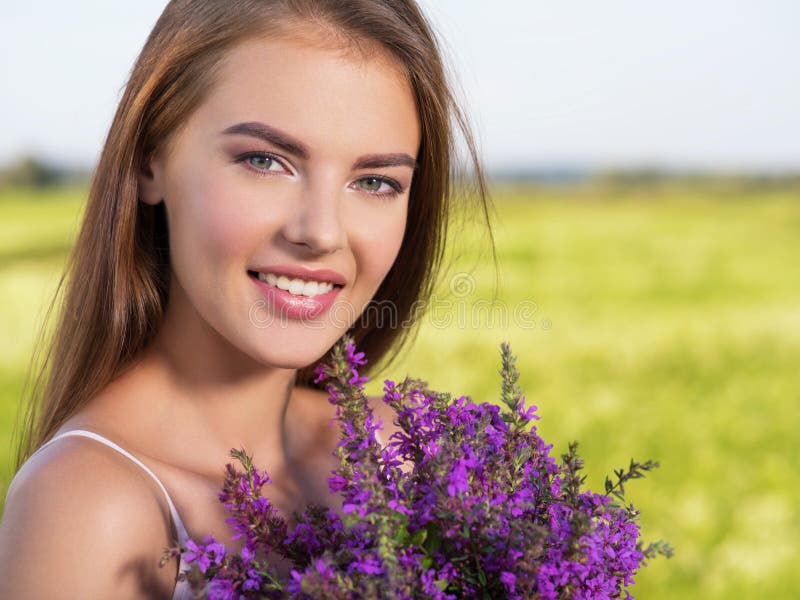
x=659, y=324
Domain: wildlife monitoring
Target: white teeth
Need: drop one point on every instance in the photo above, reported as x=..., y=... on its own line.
x=298, y=287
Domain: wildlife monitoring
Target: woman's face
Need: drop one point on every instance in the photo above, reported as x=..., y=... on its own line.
x=300, y=158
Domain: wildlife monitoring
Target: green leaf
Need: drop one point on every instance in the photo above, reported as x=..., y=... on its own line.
x=419, y=537
x=523, y=457
x=433, y=538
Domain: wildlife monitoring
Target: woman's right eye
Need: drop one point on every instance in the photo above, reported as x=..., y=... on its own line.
x=263, y=162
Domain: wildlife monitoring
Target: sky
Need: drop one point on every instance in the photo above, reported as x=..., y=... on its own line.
x=681, y=84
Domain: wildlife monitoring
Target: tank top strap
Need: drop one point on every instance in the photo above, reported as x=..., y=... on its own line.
x=379, y=438
x=182, y=533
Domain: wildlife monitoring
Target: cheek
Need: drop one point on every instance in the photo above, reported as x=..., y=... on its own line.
x=212, y=229
x=376, y=244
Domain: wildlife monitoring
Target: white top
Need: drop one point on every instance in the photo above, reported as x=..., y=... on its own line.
x=183, y=590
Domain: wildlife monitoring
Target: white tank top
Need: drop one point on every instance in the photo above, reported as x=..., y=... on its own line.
x=183, y=590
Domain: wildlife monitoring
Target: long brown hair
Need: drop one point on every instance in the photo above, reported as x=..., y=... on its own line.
x=117, y=274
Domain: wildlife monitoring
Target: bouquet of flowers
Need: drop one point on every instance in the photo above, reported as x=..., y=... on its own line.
x=483, y=511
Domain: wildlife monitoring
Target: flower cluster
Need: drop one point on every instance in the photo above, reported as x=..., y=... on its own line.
x=464, y=501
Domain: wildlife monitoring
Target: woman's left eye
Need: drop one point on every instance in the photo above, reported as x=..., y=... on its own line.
x=379, y=186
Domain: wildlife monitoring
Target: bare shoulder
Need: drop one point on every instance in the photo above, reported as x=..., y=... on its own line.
x=83, y=521
x=383, y=413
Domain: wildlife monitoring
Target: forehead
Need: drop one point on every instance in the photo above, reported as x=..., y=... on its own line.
x=318, y=92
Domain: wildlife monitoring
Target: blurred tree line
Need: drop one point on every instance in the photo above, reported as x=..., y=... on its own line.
x=653, y=178
x=32, y=172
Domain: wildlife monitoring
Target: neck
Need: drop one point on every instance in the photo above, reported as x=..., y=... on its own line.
x=217, y=397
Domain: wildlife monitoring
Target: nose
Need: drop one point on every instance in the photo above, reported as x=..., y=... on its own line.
x=316, y=223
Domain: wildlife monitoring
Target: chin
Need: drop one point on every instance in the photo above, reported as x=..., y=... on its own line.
x=296, y=351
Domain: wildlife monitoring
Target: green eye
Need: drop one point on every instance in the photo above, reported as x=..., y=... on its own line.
x=374, y=186
x=261, y=162
x=371, y=184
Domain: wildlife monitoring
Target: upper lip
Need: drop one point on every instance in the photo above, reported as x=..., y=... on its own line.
x=296, y=271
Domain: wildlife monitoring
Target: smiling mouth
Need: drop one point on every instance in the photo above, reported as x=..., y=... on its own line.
x=294, y=285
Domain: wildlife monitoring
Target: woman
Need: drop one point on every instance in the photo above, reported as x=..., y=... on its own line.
x=274, y=168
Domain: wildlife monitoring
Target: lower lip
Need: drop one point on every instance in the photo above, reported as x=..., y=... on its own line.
x=295, y=307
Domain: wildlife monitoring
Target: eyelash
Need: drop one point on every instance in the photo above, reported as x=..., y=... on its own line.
x=397, y=189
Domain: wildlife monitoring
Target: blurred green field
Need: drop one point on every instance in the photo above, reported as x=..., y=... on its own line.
x=661, y=324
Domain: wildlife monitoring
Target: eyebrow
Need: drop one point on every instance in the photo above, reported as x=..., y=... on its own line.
x=289, y=144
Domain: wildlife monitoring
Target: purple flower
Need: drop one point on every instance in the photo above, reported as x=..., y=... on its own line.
x=509, y=580
x=483, y=511
x=458, y=479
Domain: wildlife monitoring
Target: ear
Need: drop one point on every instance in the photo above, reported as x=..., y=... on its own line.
x=151, y=181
